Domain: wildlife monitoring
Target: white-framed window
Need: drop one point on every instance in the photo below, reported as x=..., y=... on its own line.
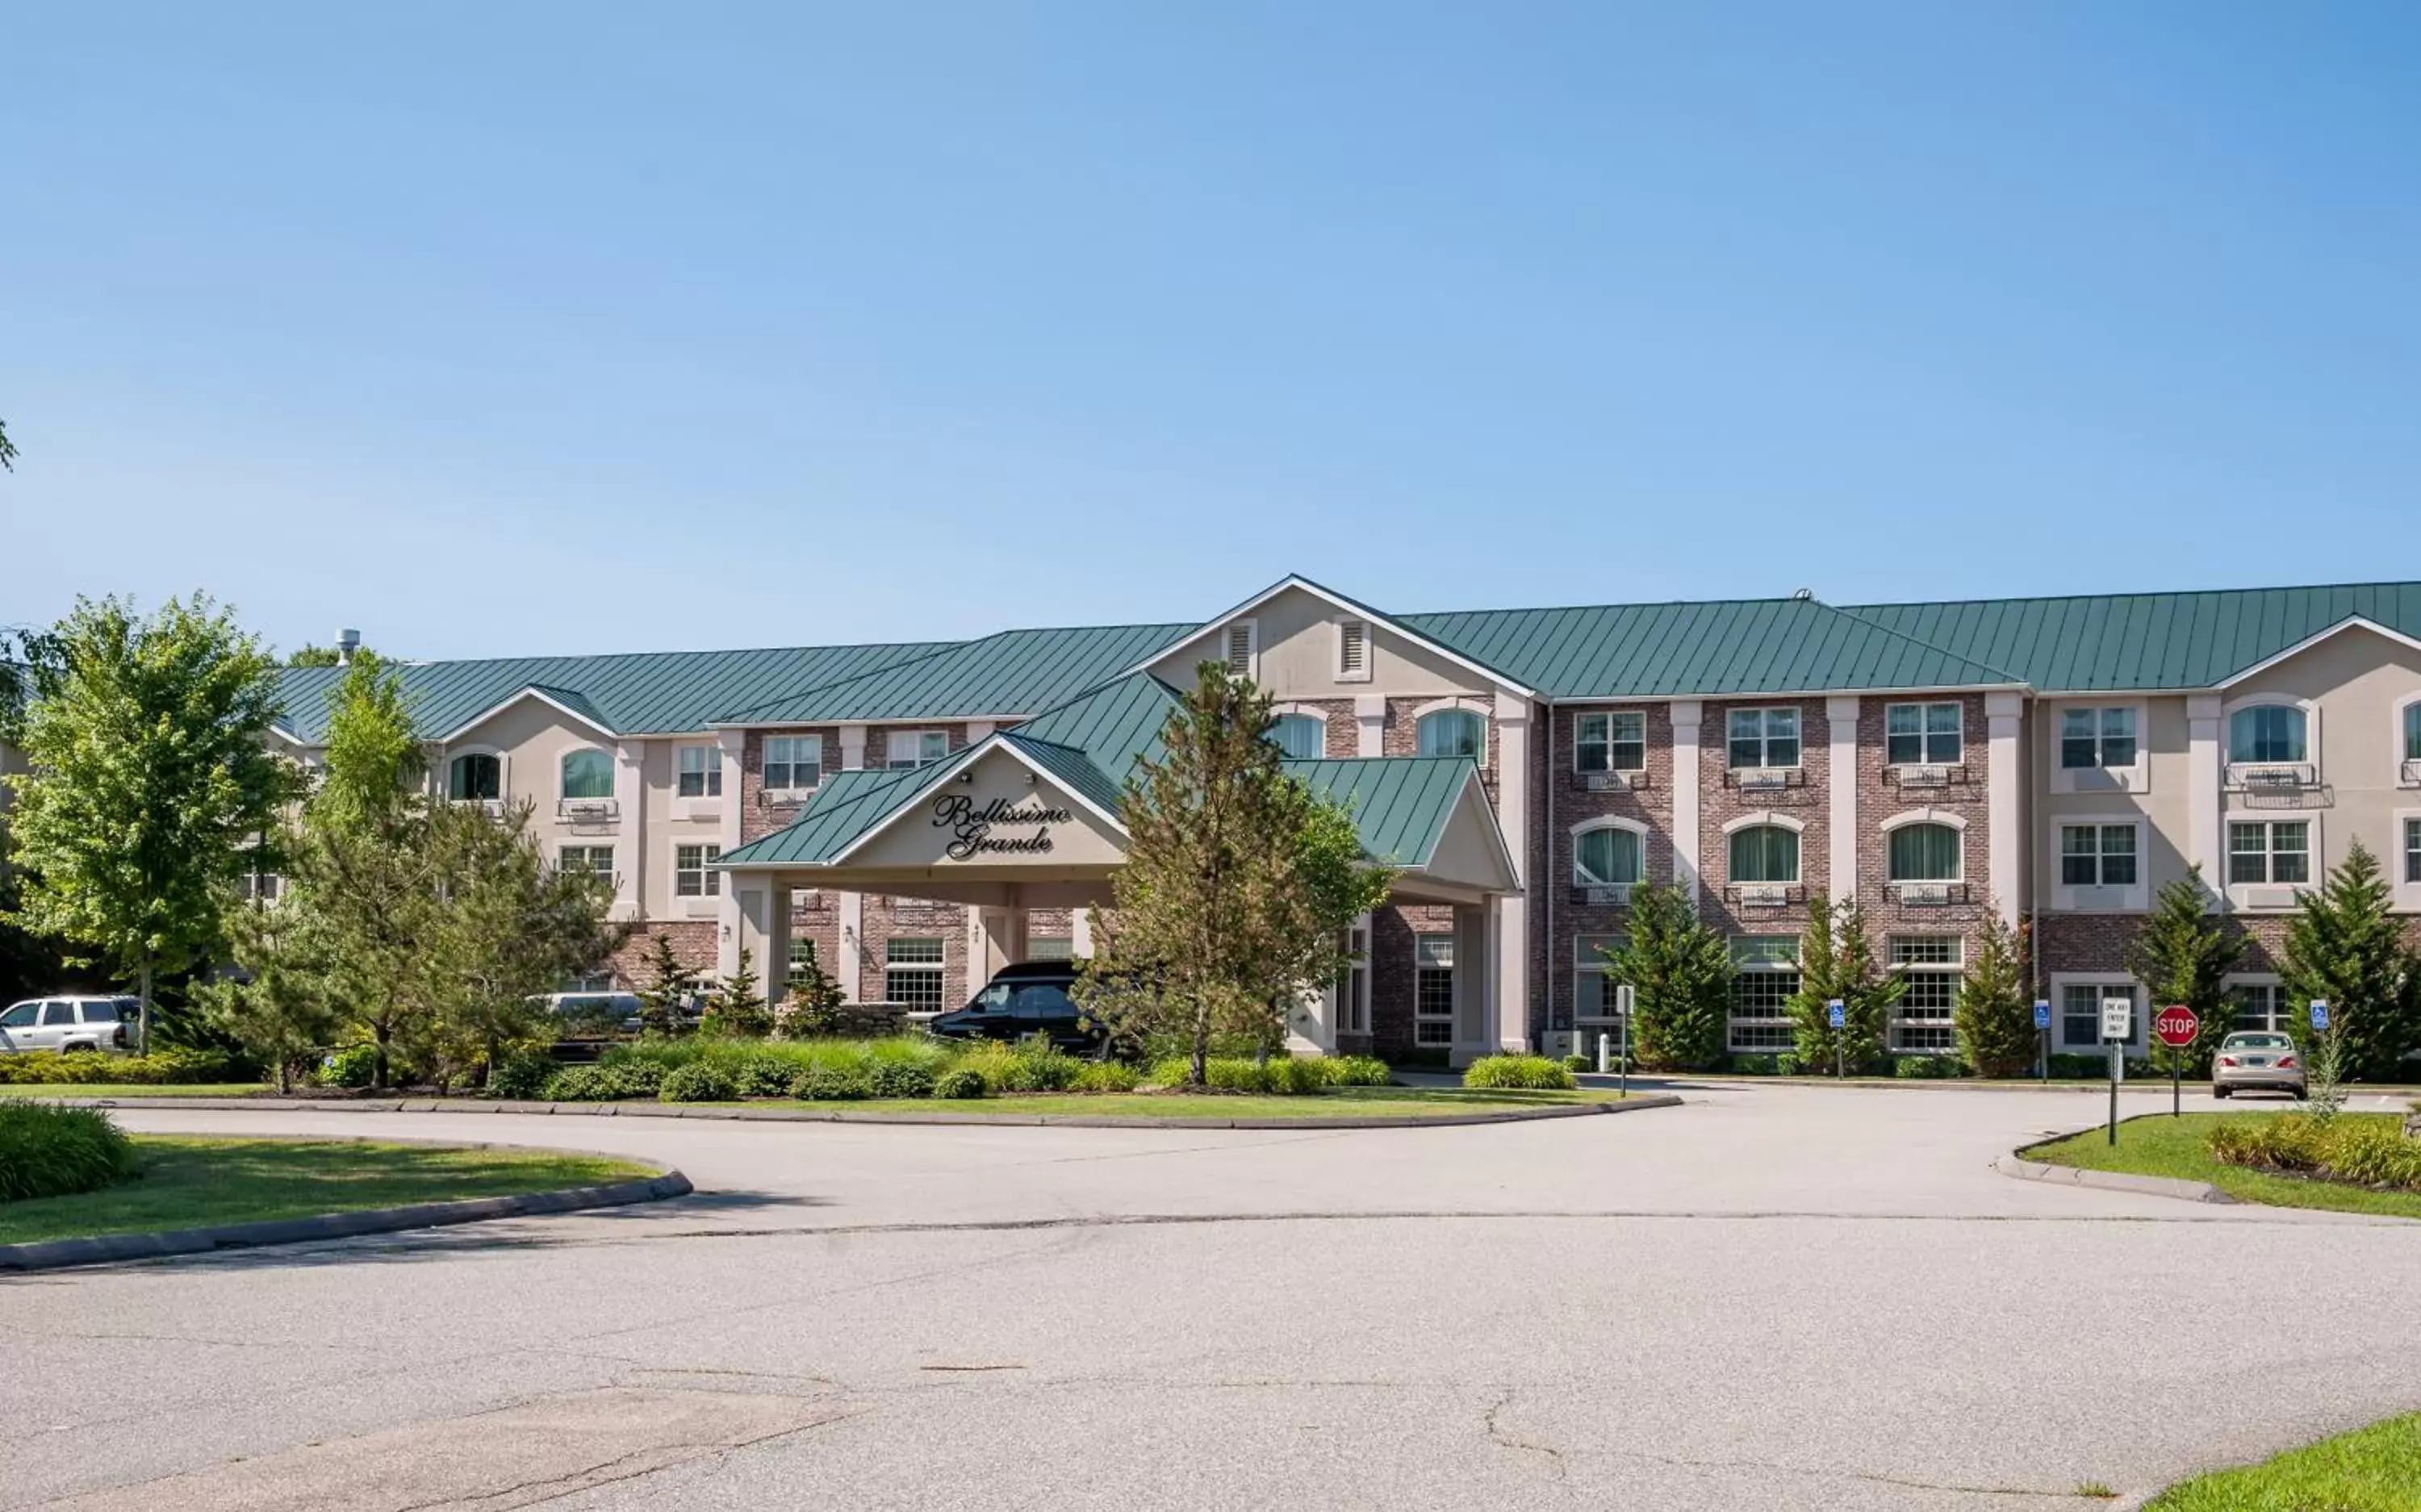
x=2262, y=1004
x=595, y=860
x=2268, y=734
x=1765, y=978
x=2097, y=855
x=2080, y=1012
x=2412, y=827
x=1764, y=853
x=1051, y=947
x=1616, y=740
x=1352, y=650
x=1301, y=737
x=1452, y=732
x=2270, y=850
x=1607, y=856
x=1762, y=738
x=1593, y=978
x=1923, y=735
x=2102, y=735
x=259, y=886
x=475, y=777
x=2409, y=747
x=587, y=773
x=915, y=748
x=793, y=763
x=1432, y=989
x=1926, y=851
x=1933, y=966
x=912, y=973
x=801, y=949
x=698, y=772
x=693, y=873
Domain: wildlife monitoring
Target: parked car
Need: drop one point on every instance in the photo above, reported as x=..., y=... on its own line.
x=67, y=1024
x=1030, y=998
x=2249, y=1061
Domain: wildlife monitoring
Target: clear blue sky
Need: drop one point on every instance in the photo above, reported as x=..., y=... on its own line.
x=513, y=327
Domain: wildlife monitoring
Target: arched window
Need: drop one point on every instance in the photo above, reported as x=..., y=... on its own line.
x=1301, y=737
x=1765, y=853
x=1452, y=732
x=2267, y=732
x=474, y=775
x=588, y=773
x=1925, y=853
x=1605, y=857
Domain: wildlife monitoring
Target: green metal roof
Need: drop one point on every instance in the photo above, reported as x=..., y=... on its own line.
x=1400, y=803
x=2146, y=640
x=1005, y=675
x=656, y=692
x=1752, y=645
x=847, y=805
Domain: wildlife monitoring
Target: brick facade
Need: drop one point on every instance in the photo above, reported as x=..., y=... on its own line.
x=692, y=943
x=1883, y=794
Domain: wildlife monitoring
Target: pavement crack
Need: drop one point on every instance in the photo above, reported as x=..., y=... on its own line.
x=1504, y=1438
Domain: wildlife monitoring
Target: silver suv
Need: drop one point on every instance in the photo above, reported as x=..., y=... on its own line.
x=66, y=1023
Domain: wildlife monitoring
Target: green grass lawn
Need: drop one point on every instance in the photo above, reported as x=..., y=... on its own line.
x=2159, y=1145
x=196, y=1183
x=135, y=1090
x=1334, y=1102
x=2377, y=1469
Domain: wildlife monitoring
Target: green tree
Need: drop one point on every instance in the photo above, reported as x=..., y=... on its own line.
x=735, y=1007
x=310, y=655
x=1238, y=883
x=151, y=773
x=1994, y=1015
x=2183, y=955
x=277, y=1009
x=7, y=450
x=671, y=989
x=2345, y=947
x=1836, y=959
x=1679, y=972
x=812, y=1004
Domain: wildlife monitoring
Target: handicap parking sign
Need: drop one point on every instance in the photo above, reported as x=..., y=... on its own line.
x=2042, y=1014
x=2319, y=1013
x=1832, y=1013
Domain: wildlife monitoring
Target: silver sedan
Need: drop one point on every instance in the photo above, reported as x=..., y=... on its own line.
x=2249, y=1061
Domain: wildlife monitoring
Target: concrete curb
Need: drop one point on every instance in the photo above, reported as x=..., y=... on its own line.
x=775, y=1113
x=51, y=1254
x=2148, y=1186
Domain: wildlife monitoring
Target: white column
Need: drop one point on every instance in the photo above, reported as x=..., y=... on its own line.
x=852, y=910
x=1474, y=982
x=1080, y=933
x=1508, y=953
x=1686, y=714
x=1370, y=724
x=852, y=748
x=2003, y=719
x=1841, y=855
x=762, y=912
x=631, y=850
x=728, y=930
x=2205, y=779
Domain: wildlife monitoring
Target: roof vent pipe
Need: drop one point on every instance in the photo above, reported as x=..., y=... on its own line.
x=348, y=642
x=1804, y=595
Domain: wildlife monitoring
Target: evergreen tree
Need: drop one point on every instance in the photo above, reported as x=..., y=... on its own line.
x=1679, y=972
x=2345, y=947
x=1995, y=1017
x=812, y=1005
x=735, y=1007
x=2183, y=955
x=1836, y=959
x=671, y=989
x=149, y=774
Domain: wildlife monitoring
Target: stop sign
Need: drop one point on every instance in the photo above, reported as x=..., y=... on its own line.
x=2176, y=1026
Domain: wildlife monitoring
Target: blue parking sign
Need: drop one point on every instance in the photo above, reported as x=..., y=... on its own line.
x=1834, y=1014
x=2319, y=1013
x=2042, y=1014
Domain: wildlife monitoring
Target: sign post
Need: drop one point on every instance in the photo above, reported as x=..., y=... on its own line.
x=2042, y=1039
x=2177, y=1025
x=1836, y=1015
x=1623, y=999
x=2118, y=1017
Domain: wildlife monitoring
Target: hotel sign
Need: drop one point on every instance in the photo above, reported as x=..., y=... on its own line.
x=975, y=828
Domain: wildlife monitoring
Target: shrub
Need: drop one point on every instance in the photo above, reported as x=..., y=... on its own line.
x=354, y=1066
x=1354, y=1070
x=1289, y=1077
x=604, y=1082
x=1916, y=1067
x=832, y=1084
x=958, y=1086
x=698, y=1082
x=763, y=1076
x=1046, y=1068
x=2365, y=1152
x=1788, y=1065
x=88, y=1067
x=1535, y=1072
x=995, y=1064
x=900, y=1079
x=50, y=1152
x=1168, y=1070
x=1579, y=1063
x=1234, y=1073
x=522, y=1074
x=1754, y=1064
x=1106, y=1076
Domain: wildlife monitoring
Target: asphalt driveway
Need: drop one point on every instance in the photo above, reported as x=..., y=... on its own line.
x=1768, y=1298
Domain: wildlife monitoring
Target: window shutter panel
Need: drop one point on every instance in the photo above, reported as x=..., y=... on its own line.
x=1240, y=650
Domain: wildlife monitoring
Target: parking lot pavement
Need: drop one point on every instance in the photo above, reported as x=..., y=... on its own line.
x=1768, y=1298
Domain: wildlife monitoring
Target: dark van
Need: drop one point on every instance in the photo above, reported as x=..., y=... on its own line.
x=1027, y=999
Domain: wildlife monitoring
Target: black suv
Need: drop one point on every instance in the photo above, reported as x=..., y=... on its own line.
x=1027, y=999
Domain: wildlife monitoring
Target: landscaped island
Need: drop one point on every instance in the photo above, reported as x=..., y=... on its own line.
x=2354, y=1162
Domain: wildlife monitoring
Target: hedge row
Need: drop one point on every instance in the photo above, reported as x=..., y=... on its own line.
x=47, y=1150
x=2365, y=1151
x=49, y=1067
x=1529, y=1072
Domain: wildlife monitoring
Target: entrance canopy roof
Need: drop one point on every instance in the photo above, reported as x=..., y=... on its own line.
x=1029, y=817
